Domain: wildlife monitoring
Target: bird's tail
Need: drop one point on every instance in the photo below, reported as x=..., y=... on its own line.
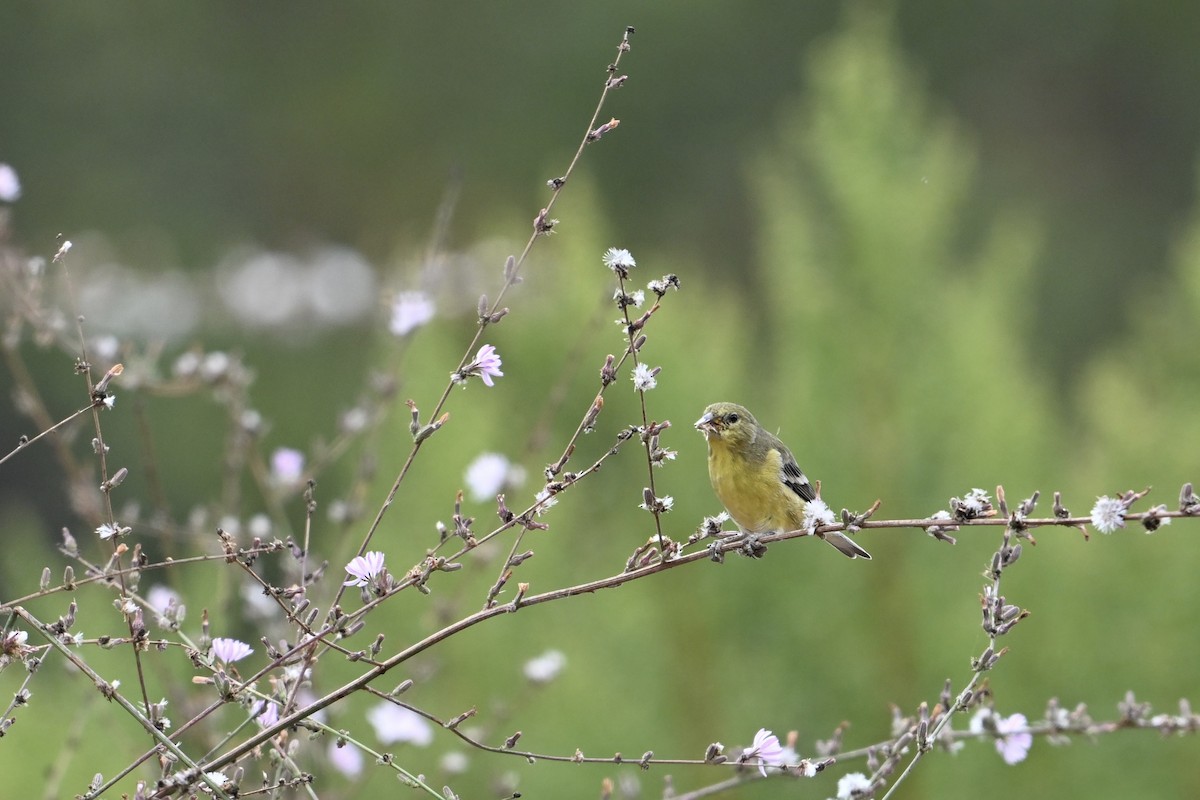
x=845, y=545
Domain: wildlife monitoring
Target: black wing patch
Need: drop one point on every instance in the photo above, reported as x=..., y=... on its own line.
x=795, y=480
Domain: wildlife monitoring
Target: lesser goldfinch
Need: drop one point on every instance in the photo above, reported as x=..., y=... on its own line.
x=756, y=478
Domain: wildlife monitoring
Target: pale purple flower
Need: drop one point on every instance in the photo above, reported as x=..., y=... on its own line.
x=766, y=749
x=287, y=466
x=1015, y=738
x=10, y=185
x=110, y=401
x=545, y=668
x=486, y=365
x=1108, y=514
x=410, y=310
x=265, y=713
x=816, y=514
x=488, y=474
x=167, y=604
x=393, y=723
x=489, y=364
x=229, y=650
x=107, y=531
x=364, y=569
x=346, y=759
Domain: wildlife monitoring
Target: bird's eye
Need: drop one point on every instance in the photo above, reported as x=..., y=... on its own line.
x=733, y=418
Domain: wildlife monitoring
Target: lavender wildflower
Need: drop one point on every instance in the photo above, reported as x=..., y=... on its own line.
x=229, y=650
x=10, y=185
x=489, y=473
x=1015, y=738
x=345, y=758
x=393, y=723
x=766, y=749
x=486, y=364
x=410, y=310
x=364, y=569
x=287, y=466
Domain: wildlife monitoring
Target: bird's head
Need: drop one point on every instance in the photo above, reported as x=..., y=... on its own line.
x=727, y=423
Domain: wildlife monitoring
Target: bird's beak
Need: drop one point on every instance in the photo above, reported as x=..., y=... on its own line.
x=705, y=423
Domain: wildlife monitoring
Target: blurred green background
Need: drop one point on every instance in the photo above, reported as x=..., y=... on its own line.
x=936, y=246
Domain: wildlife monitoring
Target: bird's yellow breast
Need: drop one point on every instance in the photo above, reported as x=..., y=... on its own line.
x=753, y=493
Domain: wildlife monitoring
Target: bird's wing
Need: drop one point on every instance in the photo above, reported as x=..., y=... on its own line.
x=792, y=476
x=796, y=480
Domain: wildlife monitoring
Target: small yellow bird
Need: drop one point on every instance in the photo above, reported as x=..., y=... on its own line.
x=756, y=478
